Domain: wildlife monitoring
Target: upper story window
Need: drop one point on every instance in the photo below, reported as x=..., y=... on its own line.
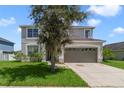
x=87, y=33
x=32, y=32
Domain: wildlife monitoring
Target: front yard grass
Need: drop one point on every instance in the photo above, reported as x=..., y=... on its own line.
x=37, y=74
x=115, y=63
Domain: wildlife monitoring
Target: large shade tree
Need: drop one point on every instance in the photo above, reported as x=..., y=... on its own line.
x=54, y=22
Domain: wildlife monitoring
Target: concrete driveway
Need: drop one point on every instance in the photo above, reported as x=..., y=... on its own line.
x=98, y=75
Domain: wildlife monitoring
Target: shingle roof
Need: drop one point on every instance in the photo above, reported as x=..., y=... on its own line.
x=5, y=40
x=115, y=46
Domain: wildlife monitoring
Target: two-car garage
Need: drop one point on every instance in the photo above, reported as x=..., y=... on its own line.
x=80, y=55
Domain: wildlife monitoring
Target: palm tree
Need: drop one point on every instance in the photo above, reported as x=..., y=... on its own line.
x=55, y=21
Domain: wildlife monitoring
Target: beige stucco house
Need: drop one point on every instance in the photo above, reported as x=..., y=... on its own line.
x=117, y=50
x=84, y=48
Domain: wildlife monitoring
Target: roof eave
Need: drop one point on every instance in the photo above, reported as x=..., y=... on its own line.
x=90, y=41
x=92, y=27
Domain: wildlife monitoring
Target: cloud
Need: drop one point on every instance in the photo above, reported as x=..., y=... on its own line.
x=75, y=24
x=93, y=22
x=6, y=22
x=116, y=31
x=107, y=10
x=19, y=29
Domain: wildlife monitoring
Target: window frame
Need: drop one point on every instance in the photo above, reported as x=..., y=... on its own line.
x=27, y=37
x=90, y=33
x=87, y=33
x=31, y=46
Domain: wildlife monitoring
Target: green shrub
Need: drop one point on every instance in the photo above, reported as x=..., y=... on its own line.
x=36, y=57
x=19, y=56
x=107, y=54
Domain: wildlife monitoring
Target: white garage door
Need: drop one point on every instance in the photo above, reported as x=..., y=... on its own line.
x=80, y=55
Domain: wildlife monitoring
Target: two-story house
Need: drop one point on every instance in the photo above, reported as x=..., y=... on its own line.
x=84, y=48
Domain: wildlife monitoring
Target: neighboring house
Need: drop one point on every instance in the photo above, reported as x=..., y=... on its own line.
x=6, y=49
x=84, y=47
x=6, y=45
x=117, y=49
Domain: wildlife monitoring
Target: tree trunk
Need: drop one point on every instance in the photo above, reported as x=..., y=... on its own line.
x=52, y=64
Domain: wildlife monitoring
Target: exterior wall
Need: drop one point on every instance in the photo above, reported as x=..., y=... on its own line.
x=25, y=41
x=75, y=33
x=25, y=44
x=23, y=37
x=4, y=47
x=23, y=32
x=79, y=33
x=119, y=55
x=85, y=44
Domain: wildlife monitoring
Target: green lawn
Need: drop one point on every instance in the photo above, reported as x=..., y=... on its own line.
x=115, y=63
x=37, y=74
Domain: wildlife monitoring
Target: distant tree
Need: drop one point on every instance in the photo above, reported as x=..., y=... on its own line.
x=107, y=54
x=54, y=21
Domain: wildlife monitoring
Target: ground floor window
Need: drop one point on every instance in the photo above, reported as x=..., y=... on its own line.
x=32, y=49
